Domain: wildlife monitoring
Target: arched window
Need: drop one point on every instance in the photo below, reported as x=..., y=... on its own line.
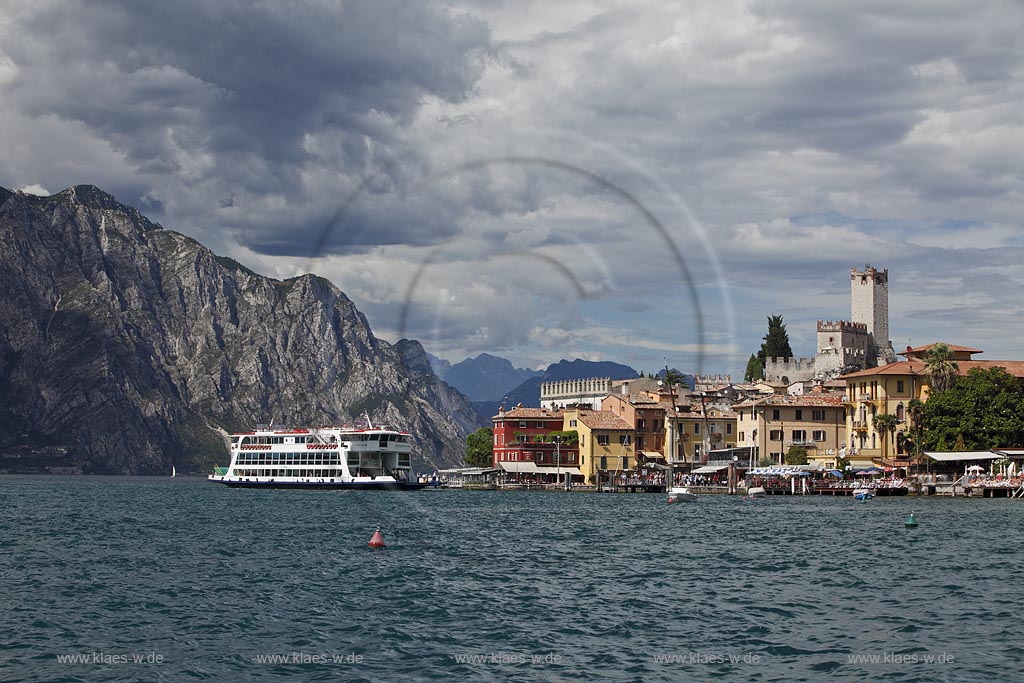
x=900, y=413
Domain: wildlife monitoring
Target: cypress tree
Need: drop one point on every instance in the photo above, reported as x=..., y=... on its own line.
x=755, y=369
x=776, y=342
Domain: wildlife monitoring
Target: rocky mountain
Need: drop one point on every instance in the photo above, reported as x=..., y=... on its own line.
x=486, y=377
x=439, y=365
x=133, y=346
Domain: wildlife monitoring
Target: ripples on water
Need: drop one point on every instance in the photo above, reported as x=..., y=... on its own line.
x=596, y=586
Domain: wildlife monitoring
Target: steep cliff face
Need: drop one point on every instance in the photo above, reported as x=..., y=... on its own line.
x=136, y=346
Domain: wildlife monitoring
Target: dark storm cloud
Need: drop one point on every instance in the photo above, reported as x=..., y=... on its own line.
x=240, y=101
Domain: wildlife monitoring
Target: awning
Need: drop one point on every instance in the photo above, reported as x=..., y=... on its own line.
x=708, y=469
x=572, y=471
x=653, y=455
x=525, y=466
x=962, y=455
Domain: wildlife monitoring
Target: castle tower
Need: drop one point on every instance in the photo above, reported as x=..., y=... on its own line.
x=869, y=304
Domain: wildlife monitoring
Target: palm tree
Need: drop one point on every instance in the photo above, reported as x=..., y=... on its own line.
x=915, y=410
x=941, y=367
x=885, y=423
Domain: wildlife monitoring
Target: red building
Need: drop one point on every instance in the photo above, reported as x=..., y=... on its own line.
x=525, y=435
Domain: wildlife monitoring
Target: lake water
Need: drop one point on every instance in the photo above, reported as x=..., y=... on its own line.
x=125, y=579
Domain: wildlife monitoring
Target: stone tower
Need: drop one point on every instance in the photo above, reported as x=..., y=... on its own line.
x=869, y=304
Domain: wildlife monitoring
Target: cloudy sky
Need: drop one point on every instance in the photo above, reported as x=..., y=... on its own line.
x=544, y=180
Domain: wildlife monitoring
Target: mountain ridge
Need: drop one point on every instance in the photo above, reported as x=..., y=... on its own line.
x=136, y=347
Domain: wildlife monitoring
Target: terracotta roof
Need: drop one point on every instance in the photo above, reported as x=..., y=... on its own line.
x=829, y=400
x=952, y=347
x=528, y=414
x=603, y=419
x=917, y=367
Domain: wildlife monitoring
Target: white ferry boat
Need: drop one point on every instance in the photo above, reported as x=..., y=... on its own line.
x=319, y=458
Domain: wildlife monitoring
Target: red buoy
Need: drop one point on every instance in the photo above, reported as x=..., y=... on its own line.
x=377, y=540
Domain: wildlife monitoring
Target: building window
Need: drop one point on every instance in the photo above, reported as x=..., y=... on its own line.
x=818, y=415
x=522, y=424
x=624, y=440
x=538, y=456
x=656, y=425
x=799, y=435
x=641, y=424
x=899, y=386
x=775, y=435
x=602, y=439
x=799, y=414
x=728, y=428
x=775, y=414
x=521, y=438
x=743, y=436
x=640, y=442
x=696, y=427
x=819, y=435
x=900, y=413
x=572, y=423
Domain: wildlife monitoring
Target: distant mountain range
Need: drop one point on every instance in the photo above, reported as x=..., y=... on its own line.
x=484, y=378
x=528, y=393
x=132, y=348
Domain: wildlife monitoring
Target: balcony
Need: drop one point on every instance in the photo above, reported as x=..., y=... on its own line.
x=864, y=397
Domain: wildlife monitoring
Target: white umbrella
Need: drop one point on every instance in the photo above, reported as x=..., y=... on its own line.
x=975, y=468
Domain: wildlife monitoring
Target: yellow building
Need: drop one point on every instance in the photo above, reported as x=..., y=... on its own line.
x=605, y=442
x=889, y=389
x=647, y=416
x=815, y=421
x=699, y=430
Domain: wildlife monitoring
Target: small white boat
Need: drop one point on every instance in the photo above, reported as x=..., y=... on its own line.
x=755, y=492
x=174, y=472
x=863, y=494
x=678, y=493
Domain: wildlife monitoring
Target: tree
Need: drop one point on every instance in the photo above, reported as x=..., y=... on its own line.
x=915, y=410
x=796, y=455
x=480, y=448
x=776, y=342
x=983, y=409
x=672, y=377
x=755, y=369
x=941, y=367
x=885, y=424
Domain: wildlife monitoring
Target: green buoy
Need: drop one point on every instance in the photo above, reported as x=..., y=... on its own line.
x=911, y=521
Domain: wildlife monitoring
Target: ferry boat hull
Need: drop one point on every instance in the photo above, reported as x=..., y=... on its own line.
x=351, y=485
